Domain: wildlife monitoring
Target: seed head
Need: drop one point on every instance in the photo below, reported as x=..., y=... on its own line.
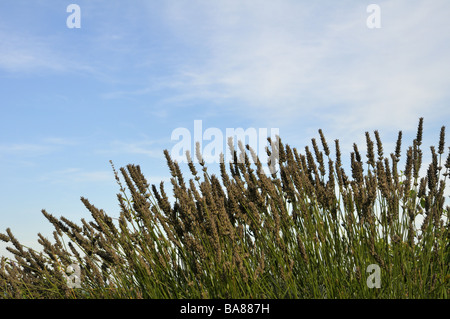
x=370, y=155
x=379, y=145
x=324, y=143
x=398, y=146
x=419, y=132
x=441, y=141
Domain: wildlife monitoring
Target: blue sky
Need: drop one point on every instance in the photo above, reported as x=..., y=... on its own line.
x=116, y=88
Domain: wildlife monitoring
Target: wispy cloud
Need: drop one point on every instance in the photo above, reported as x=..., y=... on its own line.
x=150, y=148
x=41, y=147
x=60, y=141
x=27, y=53
x=24, y=148
x=77, y=175
x=286, y=60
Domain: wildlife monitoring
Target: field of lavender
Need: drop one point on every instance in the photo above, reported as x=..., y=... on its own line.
x=307, y=230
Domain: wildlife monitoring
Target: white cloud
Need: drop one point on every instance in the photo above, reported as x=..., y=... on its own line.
x=143, y=147
x=59, y=141
x=77, y=175
x=21, y=148
x=42, y=147
x=286, y=60
x=25, y=53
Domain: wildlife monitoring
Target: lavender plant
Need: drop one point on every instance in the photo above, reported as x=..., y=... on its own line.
x=306, y=230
